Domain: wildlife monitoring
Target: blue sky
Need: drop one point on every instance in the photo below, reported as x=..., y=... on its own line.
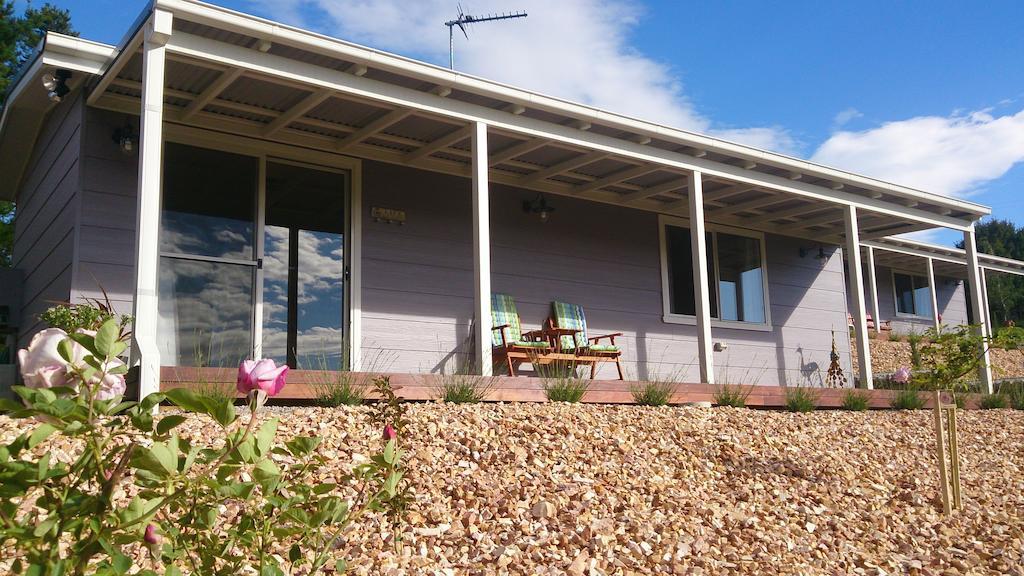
x=927, y=93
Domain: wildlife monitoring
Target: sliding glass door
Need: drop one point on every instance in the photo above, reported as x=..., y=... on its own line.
x=304, y=303
x=252, y=261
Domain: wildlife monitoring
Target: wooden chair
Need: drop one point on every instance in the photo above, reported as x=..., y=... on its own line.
x=587, y=349
x=509, y=343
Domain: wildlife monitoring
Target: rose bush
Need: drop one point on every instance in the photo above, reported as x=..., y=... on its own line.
x=201, y=505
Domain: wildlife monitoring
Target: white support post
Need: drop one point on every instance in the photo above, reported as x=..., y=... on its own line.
x=856, y=275
x=873, y=290
x=932, y=291
x=147, y=221
x=481, y=251
x=978, y=297
x=986, y=320
x=702, y=300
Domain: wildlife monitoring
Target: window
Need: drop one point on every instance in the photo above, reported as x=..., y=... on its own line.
x=913, y=295
x=736, y=275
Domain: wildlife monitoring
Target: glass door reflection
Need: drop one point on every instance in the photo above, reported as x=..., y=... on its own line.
x=304, y=299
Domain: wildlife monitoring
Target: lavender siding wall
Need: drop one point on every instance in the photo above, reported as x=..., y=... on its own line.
x=44, y=225
x=418, y=281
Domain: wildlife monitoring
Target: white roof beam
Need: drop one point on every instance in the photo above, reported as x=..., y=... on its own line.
x=565, y=166
x=440, y=143
x=829, y=218
x=752, y=205
x=796, y=211
x=620, y=176
x=115, y=68
x=211, y=92
x=665, y=187
x=295, y=112
x=516, y=150
x=372, y=128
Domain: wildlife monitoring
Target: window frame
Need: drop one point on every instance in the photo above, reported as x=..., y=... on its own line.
x=895, y=295
x=714, y=229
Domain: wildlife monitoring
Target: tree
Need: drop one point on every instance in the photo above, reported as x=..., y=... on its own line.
x=19, y=36
x=1005, y=291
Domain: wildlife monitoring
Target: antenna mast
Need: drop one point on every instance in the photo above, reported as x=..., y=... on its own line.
x=464, y=20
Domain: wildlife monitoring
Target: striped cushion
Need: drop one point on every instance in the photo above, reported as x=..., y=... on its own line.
x=570, y=316
x=503, y=311
x=525, y=344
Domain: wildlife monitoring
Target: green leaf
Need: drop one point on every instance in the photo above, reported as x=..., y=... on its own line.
x=66, y=350
x=121, y=563
x=294, y=554
x=389, y=452
x=223, y=412
x=168, y=423
x=186, y=400
x=172, y=571
x=43, y=467
x=42, y=432
x=265, y=436
x=266, y=473
x=105, y=338
x=87, y=341
x=157, y=459
x=45, y=526
x=302, y=445
x=340, y=566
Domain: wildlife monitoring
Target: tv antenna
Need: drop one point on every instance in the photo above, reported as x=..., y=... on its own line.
x=466, y=19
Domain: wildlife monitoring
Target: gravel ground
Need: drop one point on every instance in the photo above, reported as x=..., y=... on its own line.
x=887, y=357
x=591, y=489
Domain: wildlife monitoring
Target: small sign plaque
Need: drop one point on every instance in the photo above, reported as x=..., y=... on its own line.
x=387, y=215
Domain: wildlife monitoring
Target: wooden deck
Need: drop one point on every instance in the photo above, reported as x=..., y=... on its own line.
x=302, y=388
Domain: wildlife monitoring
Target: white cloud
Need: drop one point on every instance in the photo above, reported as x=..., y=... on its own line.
x=951, y=155
x=574, y=49
x=845, y=116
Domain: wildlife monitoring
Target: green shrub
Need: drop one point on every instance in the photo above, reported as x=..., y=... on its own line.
x=894, y=336
x=907, y=399
x=562, y=381
x=333, y=388
x=856, y=400
x=960, y=399
x=89, y=315
x=653, y=393
x=1014, y=392
x=733, y=395
x=1010, y=337
x=993, y=401
x=915, y=339
x=801, y=399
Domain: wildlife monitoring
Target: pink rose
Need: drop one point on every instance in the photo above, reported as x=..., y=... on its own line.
x=902, y=375
x=262, y=375
x=389, y=433
x=41, y=364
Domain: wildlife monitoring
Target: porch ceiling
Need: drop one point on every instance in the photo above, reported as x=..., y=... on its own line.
x=910, y=256
x=225, y=74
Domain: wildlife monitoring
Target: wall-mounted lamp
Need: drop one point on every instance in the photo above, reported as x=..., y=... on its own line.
x=538, y=205
x=126, y=138
x=819, y=256
x=56, y=84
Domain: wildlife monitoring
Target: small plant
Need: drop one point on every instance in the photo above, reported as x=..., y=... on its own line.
x=856, y=400
x=894, y=336
x=733, y=395
x=653, y=393
x=562, y=381
x=89, y=315
x=1014, y=392
x=907, y=399
x=1010, y=337
x=915, y=339
x=463, y=386
x=993, y=401
x=801, y=399
x=333, y=388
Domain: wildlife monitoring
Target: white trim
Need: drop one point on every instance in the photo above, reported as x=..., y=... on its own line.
x=481, y=251
x=932, y=292
x=666, y=298
x=978, y=305
x=873, y=281
x=702, y=304
x=258, y=249
x=856, y=279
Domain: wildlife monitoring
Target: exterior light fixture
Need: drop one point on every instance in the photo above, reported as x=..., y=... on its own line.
x=819, y=256
x=538, y=205
x=56, y=84
x=126, y=138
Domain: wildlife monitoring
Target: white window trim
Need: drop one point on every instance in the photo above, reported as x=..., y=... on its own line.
x=270, y=151
x=666, y=305
x=895, y=295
